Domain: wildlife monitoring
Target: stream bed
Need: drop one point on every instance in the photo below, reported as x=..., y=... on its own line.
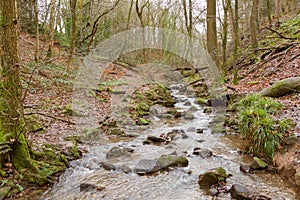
x=88, y=179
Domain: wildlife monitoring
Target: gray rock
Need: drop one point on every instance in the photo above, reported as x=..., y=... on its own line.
x=245, y=168
x=191, y=129
x=125, y=169
x=87, y=187
x=116, y=152
x=203, y=153
x=166, y=161
x=213, y=192
x=258, y=164
x=189, y=116
x=145, y=166
x=108, y=166
x=240, y=192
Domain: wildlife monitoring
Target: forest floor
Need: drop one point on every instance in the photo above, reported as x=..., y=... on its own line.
x=48, y=90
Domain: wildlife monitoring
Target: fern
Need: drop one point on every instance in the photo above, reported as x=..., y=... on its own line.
x=5, y=148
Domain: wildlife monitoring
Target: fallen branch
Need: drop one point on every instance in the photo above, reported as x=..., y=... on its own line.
x=50, y=116
x=282, y=87
x=280, y=35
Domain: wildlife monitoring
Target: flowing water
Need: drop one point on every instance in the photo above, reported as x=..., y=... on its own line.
x=176, y=183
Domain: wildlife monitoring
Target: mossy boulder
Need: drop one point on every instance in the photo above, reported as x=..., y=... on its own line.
x=165, y=161
x=212, y=177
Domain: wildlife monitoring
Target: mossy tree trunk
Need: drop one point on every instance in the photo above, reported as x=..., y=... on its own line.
x=13, y=144
x=282, y=87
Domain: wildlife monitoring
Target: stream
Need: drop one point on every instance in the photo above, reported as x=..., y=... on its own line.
x=86, y=179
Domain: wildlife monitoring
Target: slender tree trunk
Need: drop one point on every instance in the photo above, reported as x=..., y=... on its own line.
x=74, y=30
x=211, y=35
x=129, y=15
x=253, y=24
x=37, y=34
x=234, y=30
x=277, y=13
x=225, y=36
x=269, y=11
x=51, y=29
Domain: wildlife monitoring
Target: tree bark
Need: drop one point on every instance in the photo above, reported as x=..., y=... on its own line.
x=13, y=144
x=211, y=35
x=51, y=29
x=37, y=34
x=74, y=30
x=253, y=24
x=282, y=87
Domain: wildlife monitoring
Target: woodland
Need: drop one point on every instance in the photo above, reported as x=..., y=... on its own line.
x=47, y=46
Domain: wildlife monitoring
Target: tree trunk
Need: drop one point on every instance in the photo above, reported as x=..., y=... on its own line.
x=211, y=35
x=253, y=24
x=277, y=13
x=225, y=36
x=234, y=30
x=37, y=34
x=74, y=30
x=13, y=144
x=129, y=15
x=282, y=87
x=51, y=29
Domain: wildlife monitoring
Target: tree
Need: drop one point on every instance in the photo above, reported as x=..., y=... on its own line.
x=37, y=35
x=13, y=144
x=254, y=24
x=234, y=31
x=211, y=35
x=51, y=28
x=74, y=30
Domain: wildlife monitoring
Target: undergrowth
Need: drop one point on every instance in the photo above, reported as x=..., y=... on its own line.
x=258, y=125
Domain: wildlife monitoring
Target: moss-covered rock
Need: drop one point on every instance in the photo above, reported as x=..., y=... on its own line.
x=212, y=177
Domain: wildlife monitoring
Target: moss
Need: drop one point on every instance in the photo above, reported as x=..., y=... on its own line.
x=2, y=173
x=143, y=121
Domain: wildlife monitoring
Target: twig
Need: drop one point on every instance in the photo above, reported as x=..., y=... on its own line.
x=50, y=116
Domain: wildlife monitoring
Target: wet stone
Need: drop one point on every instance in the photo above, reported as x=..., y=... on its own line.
x=258, y=164
x=145, y=166
x=108, y=166
x=199, y=130
x=203, y=153
x=240, y=192
x=189, y=116
x=191, y=129
x=125, y=169
x=116, y=152
x=87, y=187
x=213, y=192
x=245, y=168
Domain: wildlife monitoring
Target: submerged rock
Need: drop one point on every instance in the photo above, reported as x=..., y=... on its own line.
x=146, y=166
x=108, y=166
x=116, y=152
x=87, y=187
x=245, y=168
x=165, y=161
x=189, y=116
x=240, y=192
x=212, y=177
x=203, y=153
x=125, y=169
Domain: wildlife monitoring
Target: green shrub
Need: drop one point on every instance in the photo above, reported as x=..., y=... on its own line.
x=257, y=124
